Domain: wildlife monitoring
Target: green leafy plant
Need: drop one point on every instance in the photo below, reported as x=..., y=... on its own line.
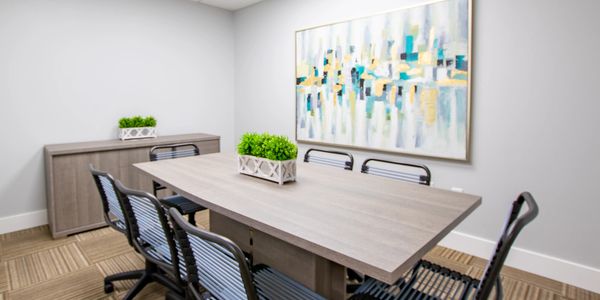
x=137, y=121
x=268, y=146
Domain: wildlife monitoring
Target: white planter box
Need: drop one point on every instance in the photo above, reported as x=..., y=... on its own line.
x=273, y=170
x=137, y=133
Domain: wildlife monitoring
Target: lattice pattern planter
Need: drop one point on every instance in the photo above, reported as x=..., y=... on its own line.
x=273, y=170
x=137, y=133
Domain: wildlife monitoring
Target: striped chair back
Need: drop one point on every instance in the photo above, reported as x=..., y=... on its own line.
x=173, y=151
x=213, y=261
x=113, y=212
x=163, y=152
x=151, y=231
x=397, y=170
x=514, y=224
x=331, y=158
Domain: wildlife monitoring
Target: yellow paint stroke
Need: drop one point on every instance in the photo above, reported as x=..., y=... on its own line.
x=395, y=53
x=411, y=94
x=429, y=105
x=414, y=31
x=336, y=89
x=347, y=58
x=425, y=58
x=403, y=67
x=451, y=82
x=352, y=98
x=379, y=83
x=431, y=38
x=415, y=72
x=454, y=73
x=373, y=65
x=312, y=80
x=302, y=70
x=366, y=76
x=393, y=94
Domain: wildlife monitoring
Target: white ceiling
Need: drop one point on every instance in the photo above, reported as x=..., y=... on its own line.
x=229, y=4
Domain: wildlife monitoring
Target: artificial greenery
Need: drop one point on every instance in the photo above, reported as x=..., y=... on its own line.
x=273, y=147
x=137, y=121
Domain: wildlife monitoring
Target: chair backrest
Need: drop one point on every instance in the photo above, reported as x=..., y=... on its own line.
x=404, y=171
x=173, y=151
x=331, y=158
x=150, y=230
x=169, y=152
x=213, y=261
x=514, y=225
x=112, y=210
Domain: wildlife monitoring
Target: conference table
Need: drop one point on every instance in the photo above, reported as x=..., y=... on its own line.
x=328, y=220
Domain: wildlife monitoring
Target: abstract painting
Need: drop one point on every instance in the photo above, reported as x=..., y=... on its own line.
x=395, y=82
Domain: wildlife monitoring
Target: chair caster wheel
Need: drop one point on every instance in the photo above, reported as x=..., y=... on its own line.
x=108, y=287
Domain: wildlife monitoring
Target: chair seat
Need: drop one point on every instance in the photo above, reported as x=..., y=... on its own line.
x=426, y=281
x=182, y=204
x=271, y=284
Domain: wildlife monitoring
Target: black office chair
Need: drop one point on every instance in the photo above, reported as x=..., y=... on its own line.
x=397, y=170
x=115, y=217
x=152, y=237
x=217, y=269
x=183, y=205
x=431, y=281
x=330, y=158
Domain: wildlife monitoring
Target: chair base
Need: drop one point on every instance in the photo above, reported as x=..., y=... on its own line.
x=110, y=279
x=151, y=273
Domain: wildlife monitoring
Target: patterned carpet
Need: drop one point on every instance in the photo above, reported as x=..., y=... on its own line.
x=34, y=266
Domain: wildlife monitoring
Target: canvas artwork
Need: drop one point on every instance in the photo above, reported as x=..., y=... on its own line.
x=395, y=82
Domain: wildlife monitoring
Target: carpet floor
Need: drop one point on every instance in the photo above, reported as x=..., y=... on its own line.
x=35, y=266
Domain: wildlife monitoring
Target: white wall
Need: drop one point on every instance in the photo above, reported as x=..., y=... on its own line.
x=534, y=119
x=70, y=69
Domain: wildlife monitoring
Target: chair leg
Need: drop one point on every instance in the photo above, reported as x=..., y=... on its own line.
x=110, y=279
x=147, y=278
x=164, y=281
x=192, y=218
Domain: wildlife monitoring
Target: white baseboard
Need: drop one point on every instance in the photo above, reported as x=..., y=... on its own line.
x=23, y=221
x=544, y=265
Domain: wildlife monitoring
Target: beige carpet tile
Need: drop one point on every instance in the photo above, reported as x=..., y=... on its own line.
x=456, y=266
x=86, y=283
x=29, y=241
x=3, y=277
x=152, y=291
x=92, y=234
x=577, y=293
x=44, y=265
x=105, y=246
x=35, y=270
x=121, y=263
x=202, y=219
x=453, y=255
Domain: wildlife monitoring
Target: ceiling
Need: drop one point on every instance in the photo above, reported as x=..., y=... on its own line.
x=229, y=4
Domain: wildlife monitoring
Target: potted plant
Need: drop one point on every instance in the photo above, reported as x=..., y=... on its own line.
x=137, y=127
x=266, y=156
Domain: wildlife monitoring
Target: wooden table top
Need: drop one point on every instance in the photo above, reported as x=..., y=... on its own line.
x=374, y=225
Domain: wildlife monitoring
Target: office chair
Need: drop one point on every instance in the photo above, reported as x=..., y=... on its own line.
x=431, y=281
x=182, y=204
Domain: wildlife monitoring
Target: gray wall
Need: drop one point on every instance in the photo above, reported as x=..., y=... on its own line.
x=534, y=119
x=70, y=69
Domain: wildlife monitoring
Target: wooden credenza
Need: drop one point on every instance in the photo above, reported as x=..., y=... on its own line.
x=72, y=197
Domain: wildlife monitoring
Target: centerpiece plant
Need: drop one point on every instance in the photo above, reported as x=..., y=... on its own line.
x=271, y=157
